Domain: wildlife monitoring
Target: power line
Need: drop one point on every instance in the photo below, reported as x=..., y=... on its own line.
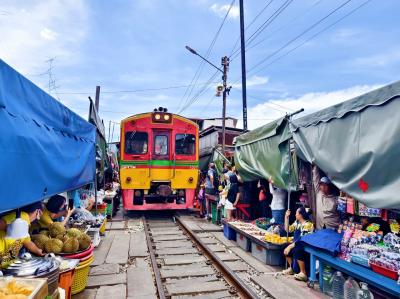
x=263, y=26
x=315, y=35
x=134, y=90
x=284, y=26
x=202, y=63
x=249, y=25
x=299, y=35
x=272, y=103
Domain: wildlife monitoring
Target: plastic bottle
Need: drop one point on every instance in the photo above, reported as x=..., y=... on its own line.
x=338, y=285
x=364, y=292
x=351, y=289
x=327, y=281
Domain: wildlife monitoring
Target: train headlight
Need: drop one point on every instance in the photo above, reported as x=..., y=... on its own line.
x=128, y=179
x=157, y=116
x=166, y=117
x=181, y=193
x=138, y=193
x=190, y=180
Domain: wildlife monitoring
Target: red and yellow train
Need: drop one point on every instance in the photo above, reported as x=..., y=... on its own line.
x=159, y=161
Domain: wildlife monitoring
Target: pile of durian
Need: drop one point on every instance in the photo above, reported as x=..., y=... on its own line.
x=60, y=240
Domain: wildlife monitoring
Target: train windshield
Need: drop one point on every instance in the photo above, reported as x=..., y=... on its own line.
x=161, y=145
x=136, y=143
x=185, y=144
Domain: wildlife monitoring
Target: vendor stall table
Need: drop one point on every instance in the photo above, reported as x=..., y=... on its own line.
x=358, y=272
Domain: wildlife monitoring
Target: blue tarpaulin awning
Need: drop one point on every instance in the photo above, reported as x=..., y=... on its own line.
x=45, y=148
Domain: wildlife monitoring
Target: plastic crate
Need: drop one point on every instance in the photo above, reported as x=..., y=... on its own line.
x=243, y=241
x=65, y=282
x=269, y=254
x=384, y=271
x=229, y=233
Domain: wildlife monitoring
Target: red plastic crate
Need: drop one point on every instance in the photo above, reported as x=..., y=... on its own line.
x=384, y=271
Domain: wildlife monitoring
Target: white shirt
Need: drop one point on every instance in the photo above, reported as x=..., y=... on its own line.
x=279, y=197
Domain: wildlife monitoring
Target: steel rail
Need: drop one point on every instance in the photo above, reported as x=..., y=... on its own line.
x=156, y=270
x=233, y=280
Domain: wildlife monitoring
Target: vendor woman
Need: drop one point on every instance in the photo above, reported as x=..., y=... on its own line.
x=56, y=207
x=14, y=231
x=295, y=251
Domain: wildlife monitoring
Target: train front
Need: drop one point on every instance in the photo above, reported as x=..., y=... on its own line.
x=159, y=161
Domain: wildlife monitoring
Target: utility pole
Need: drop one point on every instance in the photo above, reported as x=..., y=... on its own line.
x=243, y=58
x=225, y=67
x=97, y=99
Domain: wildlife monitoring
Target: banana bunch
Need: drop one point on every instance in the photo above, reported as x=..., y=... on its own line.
x=276, y=239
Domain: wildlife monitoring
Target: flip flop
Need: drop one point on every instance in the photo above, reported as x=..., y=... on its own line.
x=301, y=277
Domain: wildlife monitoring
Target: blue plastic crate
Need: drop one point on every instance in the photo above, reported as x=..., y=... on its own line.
x=229, y=233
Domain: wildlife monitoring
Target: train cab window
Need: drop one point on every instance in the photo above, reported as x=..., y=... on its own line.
x=161, y=145
x=185, y=144
x=136, y=143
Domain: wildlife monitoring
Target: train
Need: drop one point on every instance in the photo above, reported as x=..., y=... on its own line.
x=159, y=161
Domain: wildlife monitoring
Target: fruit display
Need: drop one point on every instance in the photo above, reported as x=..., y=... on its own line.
x=53, y=246
x=276, y=239
x=56, y=228
x=71, y=241
x=15, y=290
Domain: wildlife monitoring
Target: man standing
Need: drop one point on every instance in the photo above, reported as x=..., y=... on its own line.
x=211, y=180
x=326, y=203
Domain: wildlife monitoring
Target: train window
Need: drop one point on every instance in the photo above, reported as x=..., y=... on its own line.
x=136, y=143
x=161, y=145
x=185, y=144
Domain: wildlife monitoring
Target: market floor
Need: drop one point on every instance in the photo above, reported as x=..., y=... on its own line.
x=121, y=266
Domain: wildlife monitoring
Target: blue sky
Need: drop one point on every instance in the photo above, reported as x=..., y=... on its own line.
x=131, y=45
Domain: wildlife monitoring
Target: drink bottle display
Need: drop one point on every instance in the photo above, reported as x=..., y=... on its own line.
x=338, y=285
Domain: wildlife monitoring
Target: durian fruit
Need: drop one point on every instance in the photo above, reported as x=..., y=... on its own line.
x=60, y=237
x=84, y=241
x=56, y=228
x=44, y=232
x=71, y=245
x=40, y=240
x=53, y=246
x=74, y=232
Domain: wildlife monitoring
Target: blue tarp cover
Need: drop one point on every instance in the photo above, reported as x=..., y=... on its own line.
x=325, y=239
x=45, y=148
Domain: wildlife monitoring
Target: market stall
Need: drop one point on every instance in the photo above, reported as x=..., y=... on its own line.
x=356, y=144
x=45, y=149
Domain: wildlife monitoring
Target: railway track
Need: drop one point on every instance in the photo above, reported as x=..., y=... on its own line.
x=186, y=266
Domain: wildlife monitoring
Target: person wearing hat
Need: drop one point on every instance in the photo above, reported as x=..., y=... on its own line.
x=54, y=209
x=14, y=231
x=327, y=215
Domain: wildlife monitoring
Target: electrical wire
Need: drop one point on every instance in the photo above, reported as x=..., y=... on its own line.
x=134, y=90
x=298, y=36
x=196, y=76
x=271, y=104
x=284, y=26
x=264, y=26
x=249, y=25
x=315, y=35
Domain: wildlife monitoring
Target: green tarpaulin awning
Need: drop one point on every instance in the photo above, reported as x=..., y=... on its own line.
x=357, y=144
x=263, y=153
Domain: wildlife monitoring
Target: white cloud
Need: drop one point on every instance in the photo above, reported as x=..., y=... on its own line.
x=252, y=82
x=311, y=102
x=49, y=34
x=384, y=59
x=221, y=10
x=27, y=40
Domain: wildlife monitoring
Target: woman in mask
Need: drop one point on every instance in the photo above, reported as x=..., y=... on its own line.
x=14, y=231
